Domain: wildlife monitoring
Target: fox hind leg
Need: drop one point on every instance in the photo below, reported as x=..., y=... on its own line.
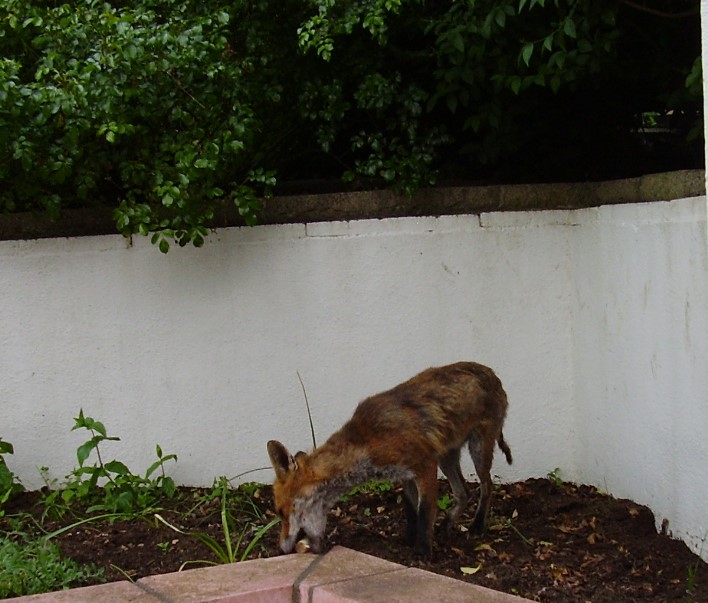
x=427, y=485
x=482, y=453
x=450, y=467
x=410, y=507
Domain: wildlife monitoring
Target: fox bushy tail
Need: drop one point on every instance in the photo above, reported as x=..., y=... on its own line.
x=505, y=448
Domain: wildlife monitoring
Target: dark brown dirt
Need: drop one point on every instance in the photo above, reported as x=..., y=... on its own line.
x=547, y=541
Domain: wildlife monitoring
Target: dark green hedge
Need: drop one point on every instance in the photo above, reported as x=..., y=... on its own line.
x=168, y=110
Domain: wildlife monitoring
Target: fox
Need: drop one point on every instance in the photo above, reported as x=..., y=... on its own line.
x=401, y=435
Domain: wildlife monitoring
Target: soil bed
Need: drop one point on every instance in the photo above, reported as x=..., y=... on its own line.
x=547, y=541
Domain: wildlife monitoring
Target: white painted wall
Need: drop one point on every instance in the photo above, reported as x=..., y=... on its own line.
x=641, y=358
x=198, y=350
x=595, y=320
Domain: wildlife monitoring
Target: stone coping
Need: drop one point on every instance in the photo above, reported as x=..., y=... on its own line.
x=437, y=201
x=339, y=576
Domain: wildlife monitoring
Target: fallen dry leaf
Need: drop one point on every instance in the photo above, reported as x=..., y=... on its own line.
x=559, y=573
x=484, y=547
x=458, y=551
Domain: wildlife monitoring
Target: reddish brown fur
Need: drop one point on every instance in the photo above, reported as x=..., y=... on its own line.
x=403, y=434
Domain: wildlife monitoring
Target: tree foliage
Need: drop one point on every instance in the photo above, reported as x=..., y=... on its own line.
x=168, y=110
x=522, y=89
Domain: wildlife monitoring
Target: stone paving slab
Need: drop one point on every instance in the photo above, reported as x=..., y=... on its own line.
x=102, y=593
x=339, y=576
x=406, y=585
x=258, y=580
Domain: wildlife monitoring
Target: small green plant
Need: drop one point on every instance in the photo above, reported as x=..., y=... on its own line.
x=35, y=566
x=242, y=498
x=226, y=551
x=691, y=581
x=245, y=500
x=692, y=576
x=508, y=522
x=555, y=477
x=9, y=484
x=370, y=487
x=110, y=486
x=445, y=502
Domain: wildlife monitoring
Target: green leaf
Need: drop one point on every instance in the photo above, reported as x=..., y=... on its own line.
x=527, y=52
x=515, y=84
x=152, y=468
x=83, y=451
x=458, y=41
x=117, y=467
x=569, y=28
x=168, y=486
x=88, y=423
x=124, y=501
x=584, y=46
x=257, y=536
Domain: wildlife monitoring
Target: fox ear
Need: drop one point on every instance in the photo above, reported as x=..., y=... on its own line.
x=280, y=458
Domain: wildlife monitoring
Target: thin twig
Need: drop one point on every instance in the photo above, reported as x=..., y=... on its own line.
x=309, y=414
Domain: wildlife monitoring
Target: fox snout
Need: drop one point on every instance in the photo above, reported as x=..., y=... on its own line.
x=310, y=525
x=287, y=542
x=290, y=533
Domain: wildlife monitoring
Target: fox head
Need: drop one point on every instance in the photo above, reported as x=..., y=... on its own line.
x=297, y=501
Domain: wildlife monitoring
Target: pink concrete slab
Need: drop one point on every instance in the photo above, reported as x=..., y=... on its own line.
x=406, y=586
x=249, y=581
x=102, y=593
